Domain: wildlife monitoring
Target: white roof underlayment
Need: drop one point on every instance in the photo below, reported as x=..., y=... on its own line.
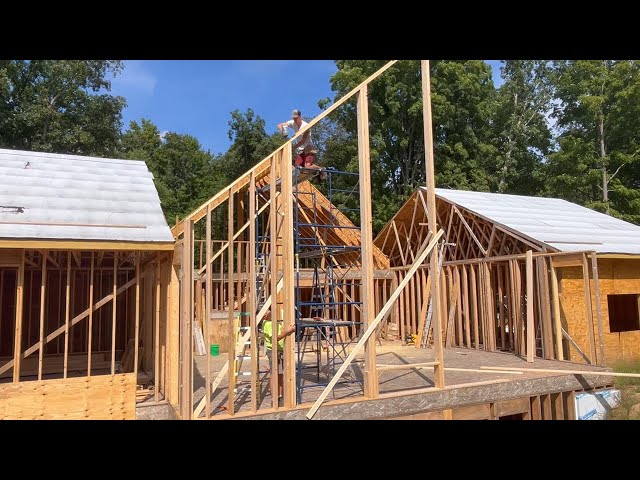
x=558, y=223
x=45, y=196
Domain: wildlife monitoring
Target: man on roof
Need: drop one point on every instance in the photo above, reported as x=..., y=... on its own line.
x=304, y=151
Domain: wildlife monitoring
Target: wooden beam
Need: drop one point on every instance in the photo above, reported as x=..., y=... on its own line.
x=545, y=310
x=43, y=292
x=366, y=242
x=208, y=308
x=555, y=303
x=17, y=343
x=402, y=366
x=453, y=301
x=501, y=306
x=517, y=256
x=398, y=242
x=137, y=317
x=490, y=322
x=289, y=278
x=66, y=316
x=156, y=342
x=84, y=245
x=423, y=312
x=531, y=339
x=465, y=306
x=509, y=313
x=491, y=239
x=186, y=324
x=90, y=338
x=436, y=320
x=252, y=293
x=588, y=311
x=596, y=290
x=575, y=345
x=425, y=251
x=230, y=295
x=567, y=372
x=113, y=313
x=273, y=253
x=470, y=231
x=459, y=330
x=474, y=308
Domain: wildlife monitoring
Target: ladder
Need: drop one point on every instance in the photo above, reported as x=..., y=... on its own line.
x=241, y=356
x=261, y=280
x=427, y=324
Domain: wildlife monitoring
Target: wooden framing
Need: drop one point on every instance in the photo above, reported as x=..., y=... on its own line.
x=588, y=309
x=43, y=291
x=386, y=310
x=482, y=290
x=596, y=291
x=288, y=288
x=18, y=328
x=273, y=250
x=366, y=241
x=231, y=309
x=531, y=342
x=66, y=292
x=431, y=217
x=252, y=297
x=557, y=322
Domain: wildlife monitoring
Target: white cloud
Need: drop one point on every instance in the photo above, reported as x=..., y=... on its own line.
x=135, y=78
x=163, y=134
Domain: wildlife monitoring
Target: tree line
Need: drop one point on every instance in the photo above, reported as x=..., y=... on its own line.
x=567, y=129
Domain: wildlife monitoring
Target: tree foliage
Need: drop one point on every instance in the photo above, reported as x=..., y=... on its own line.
x=569, y=129
x=60, y=106
x=598, y=113
x=184, y=174
x=462, y=94
x=522, y=134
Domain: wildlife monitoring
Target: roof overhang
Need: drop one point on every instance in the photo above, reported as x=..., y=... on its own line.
x=39, y=244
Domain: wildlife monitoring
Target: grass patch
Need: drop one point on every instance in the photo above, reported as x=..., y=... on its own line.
x=628, y=367
x=629, y=388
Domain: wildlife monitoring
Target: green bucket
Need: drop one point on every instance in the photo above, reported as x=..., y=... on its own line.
x=215, y=350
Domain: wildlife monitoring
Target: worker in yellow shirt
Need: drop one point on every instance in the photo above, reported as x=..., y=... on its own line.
x=267, y=330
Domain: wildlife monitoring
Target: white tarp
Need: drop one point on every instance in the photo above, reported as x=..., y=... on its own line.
x=595, y=406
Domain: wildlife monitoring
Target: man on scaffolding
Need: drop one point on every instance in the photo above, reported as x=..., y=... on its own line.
x=305, y=151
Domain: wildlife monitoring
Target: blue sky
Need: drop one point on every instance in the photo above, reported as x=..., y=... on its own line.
x=196, y=96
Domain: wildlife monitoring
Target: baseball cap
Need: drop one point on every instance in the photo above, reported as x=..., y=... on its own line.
x=296, y=113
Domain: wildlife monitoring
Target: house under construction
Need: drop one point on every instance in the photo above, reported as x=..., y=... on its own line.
x=482, y=297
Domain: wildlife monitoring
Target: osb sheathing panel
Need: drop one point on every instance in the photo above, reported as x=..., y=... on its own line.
x=616, y=277
x=104, y=397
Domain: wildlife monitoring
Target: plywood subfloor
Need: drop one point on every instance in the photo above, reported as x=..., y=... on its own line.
x=391, y=382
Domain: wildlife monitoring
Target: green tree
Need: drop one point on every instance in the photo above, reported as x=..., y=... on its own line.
x=60, y=106
x=184, y=174
x=523, y=138
x=250, y=143
x=462, y=97
x=597, y=161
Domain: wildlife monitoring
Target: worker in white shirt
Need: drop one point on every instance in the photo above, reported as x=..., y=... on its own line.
x=305, y=151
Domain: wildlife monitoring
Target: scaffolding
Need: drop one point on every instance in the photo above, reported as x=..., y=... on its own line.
x=319, y=327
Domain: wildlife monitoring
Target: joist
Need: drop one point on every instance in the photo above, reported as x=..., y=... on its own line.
x=566, y=372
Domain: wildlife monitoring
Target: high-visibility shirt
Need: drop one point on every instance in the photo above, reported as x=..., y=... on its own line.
x=267, y=331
